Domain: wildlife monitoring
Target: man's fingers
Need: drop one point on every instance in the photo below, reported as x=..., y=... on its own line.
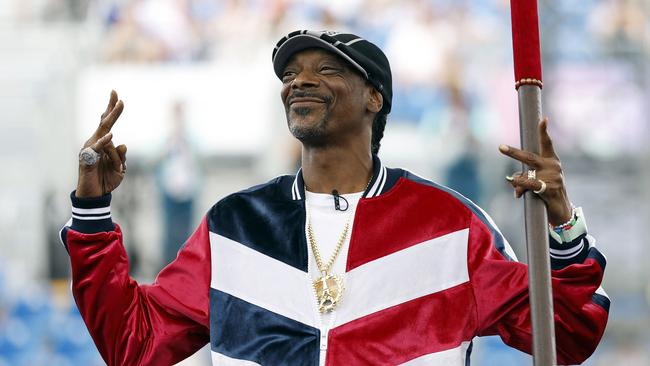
x=115, y=160
x=102, y=142
x=121, y=151
x=522, y=184
x=511, y=178
x=527, y=184
x=546, y=143
x=111, y=104
x=108, y=121
x=528, y=158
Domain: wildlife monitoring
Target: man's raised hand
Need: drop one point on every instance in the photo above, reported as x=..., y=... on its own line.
x=103, y=177
x=546, y=168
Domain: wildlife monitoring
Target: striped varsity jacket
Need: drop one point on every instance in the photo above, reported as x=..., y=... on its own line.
x=427, y=271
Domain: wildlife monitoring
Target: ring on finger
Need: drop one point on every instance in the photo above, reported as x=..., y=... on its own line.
x=532, y=174
x=88, y=156
x=542, y=189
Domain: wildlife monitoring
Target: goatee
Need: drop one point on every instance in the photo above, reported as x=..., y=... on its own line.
x=312, y=134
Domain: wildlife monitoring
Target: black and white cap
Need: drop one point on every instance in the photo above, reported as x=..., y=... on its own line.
x=362, y=54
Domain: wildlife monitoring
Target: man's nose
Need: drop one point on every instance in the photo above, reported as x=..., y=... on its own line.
x=305, y=79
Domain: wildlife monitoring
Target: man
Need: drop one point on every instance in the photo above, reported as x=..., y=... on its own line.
x=347, y=263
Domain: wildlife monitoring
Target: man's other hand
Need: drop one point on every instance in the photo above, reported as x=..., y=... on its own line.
x=107, y=174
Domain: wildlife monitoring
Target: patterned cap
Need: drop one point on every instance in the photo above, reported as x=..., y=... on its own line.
x=363, y=55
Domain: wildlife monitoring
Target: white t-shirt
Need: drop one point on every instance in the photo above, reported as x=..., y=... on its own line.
x=327, y=225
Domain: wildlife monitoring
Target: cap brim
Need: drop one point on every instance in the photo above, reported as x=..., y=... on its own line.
x=304, y=41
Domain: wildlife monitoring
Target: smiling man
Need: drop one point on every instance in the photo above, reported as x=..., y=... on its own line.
x=348, y=262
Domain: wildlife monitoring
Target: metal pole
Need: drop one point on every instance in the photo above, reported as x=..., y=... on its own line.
x=528, y=82
x=539, y=266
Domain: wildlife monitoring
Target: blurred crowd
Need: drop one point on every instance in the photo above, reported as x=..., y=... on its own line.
x=452, y=69
x=446, y=58
x=38, y=327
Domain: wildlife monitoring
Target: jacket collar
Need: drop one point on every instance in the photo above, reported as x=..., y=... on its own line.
x=375, y=188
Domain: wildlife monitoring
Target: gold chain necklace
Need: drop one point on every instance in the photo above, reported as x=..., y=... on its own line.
x=329, y=288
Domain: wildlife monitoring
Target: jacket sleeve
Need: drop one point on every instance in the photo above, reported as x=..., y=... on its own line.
x=500, y=286
x=133, y=324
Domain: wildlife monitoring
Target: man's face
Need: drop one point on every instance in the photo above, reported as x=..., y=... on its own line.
x=324, y=99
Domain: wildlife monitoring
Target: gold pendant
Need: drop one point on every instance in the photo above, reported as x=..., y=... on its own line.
x=329, y=290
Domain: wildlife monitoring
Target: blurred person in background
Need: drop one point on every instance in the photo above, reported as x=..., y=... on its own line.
x=463, y=173
x=152, y=30
x=178, y=178
x=346, y=262
x=621, y=24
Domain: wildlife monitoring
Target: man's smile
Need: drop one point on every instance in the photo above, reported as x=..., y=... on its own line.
x=304, y=101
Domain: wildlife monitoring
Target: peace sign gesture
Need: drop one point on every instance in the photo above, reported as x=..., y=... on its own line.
x=544, y=177
x=102, y=166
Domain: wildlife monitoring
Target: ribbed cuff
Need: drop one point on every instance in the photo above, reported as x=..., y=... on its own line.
x=565, y=256
x=91, y=215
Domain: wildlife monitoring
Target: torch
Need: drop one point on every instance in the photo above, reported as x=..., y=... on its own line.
x=528, y=83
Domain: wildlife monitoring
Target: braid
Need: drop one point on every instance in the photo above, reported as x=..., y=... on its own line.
x=378, y=126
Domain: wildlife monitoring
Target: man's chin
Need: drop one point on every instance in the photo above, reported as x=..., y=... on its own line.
x=305, y=120
x=307, y=128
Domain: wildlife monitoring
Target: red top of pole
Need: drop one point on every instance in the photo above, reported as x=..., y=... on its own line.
x=525, y=42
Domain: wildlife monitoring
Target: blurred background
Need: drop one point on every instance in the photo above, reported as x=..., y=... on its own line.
x=203, y=118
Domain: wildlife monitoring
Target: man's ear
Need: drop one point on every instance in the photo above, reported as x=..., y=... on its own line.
x=375, y=101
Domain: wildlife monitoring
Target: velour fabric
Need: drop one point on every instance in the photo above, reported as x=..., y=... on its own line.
x=265, y=221
x=244, y=331
x=381, y=232
x=435, y=240
x=428, y=324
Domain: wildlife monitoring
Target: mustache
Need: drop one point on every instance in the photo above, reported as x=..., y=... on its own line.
x=305, y=94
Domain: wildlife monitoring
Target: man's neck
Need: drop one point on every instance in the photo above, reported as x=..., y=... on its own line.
x=343, y=169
